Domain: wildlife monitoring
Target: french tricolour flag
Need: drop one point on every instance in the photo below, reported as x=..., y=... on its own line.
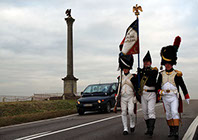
x=130, y=43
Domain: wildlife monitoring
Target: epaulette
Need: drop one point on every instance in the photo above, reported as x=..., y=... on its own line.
x=155, y=68
x=179, y=73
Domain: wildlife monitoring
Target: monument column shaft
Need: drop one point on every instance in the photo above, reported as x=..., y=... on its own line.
x=70, y=82
x=69, y=21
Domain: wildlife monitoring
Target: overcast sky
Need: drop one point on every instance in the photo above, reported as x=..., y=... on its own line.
x=33, y=41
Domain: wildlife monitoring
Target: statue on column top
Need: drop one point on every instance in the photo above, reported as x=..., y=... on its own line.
x=68, y=12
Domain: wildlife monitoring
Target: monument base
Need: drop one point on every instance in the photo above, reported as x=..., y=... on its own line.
x=70, y=85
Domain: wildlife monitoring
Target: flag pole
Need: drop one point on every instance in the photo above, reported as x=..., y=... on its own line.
x=138, y=56
x=136, y=11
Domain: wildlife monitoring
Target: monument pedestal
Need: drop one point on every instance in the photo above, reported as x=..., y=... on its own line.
x=70, y=85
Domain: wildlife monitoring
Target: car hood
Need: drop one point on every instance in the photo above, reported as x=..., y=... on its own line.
x=92, y=99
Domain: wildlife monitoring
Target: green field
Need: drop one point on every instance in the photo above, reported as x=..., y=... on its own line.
x=21, y=112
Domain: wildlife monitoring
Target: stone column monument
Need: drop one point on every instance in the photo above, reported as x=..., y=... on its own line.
x=70, y=82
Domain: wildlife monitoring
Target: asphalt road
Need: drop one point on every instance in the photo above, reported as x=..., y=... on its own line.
x=96, y=126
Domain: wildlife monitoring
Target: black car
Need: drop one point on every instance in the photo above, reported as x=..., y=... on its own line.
x=97, y=97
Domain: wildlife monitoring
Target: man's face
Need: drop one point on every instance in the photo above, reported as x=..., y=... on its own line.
x=168, y=66
x=126, y=70
x=147, y=64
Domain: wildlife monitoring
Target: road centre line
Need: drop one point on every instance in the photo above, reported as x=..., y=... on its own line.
x=23, y=138
x=191, y=130
x=74, y=127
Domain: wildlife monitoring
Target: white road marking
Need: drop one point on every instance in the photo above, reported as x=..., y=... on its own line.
x=23, y=138
x=70, y=128
x=38, y=121
x=74, y=127
x=191, y=130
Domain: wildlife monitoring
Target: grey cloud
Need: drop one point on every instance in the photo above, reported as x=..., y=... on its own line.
x=33, y=40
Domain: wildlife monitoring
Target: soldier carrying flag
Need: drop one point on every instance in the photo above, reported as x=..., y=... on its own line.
x=128, y=81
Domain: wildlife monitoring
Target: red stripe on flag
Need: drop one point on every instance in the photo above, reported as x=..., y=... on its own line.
x=121, y=44
x=134, y=49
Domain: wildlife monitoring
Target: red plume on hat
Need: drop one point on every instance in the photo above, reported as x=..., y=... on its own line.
x=177, y=42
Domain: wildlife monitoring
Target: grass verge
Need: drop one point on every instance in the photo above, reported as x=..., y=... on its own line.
x=21, y=112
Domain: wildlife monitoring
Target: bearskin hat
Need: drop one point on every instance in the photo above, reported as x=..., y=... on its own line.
x=125, y=61
x=147, y=57
x=169, y=53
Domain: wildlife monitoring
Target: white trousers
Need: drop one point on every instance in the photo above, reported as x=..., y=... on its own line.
x=171, y=104
x=127, y=103
x=170, y=100
x=148, y=101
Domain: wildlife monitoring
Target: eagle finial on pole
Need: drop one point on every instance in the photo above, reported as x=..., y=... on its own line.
x=136, y=9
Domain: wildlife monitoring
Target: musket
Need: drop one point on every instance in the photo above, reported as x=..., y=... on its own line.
x=118, y=92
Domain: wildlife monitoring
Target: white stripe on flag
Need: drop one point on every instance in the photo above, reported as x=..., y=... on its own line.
x=130, y=40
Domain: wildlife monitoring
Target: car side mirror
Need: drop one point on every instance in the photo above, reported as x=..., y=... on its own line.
x=81, y=93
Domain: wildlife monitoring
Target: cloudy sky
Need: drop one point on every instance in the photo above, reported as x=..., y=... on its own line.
x=33, y=41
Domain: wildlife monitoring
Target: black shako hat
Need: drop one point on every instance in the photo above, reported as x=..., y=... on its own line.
x=169, y=53
x=147, y=57
x=125, y=61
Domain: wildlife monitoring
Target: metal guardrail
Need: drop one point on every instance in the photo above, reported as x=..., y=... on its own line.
x=14, y=98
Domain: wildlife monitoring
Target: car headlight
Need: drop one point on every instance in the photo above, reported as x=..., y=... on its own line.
x=99, y=101
x=78, y=102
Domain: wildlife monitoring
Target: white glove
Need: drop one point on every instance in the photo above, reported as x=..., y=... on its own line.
x=188, y=101
x=161, y=92
x=116, y=97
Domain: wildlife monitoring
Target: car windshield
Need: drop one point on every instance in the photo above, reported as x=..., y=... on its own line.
x=97, y=88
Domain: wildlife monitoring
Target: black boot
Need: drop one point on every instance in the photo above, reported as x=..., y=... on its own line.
x=171, y=133
x=176, y=131
x=132, y=129
x=147, y=127
x=125, y=133
x=151, y=126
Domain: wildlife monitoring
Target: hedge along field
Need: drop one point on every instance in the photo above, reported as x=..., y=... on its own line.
x=21, y=112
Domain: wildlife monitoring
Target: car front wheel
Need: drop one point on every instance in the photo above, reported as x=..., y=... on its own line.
x=81, y=112
x=108, y=107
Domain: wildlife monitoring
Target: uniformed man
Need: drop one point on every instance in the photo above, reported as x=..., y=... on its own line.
x=169, y=81
x=147, y=91
x=128, y=88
